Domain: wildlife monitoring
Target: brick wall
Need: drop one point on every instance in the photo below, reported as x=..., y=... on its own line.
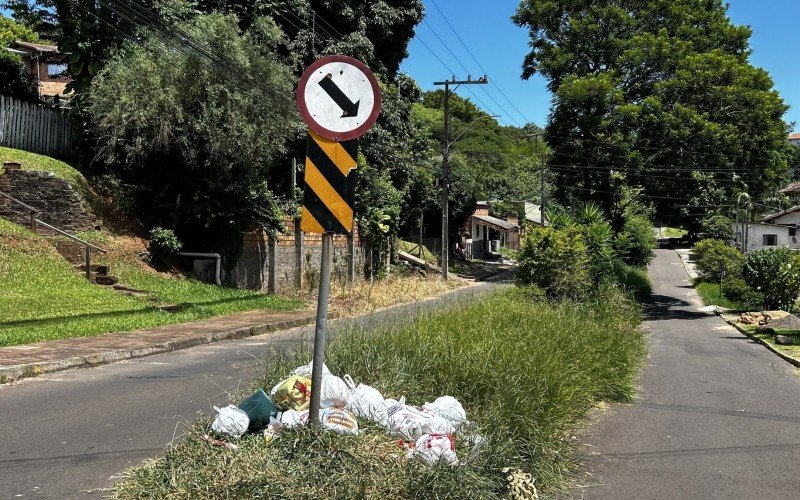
x=61, y=206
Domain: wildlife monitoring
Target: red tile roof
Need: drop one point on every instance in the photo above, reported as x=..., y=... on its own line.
x=794, y=137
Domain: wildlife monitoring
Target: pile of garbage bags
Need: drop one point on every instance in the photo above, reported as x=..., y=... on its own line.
x=426, y=432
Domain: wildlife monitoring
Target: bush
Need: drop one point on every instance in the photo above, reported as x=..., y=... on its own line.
x=776, y=274
x=14, y=80
x=557, y=261
x=737, y=290
x=715, y=259
x=718, y=227
x=636, y=241
x=633, y=280
x=164, y=242
x=598, y=237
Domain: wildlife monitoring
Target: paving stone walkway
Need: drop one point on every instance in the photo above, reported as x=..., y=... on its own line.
x=42, y=357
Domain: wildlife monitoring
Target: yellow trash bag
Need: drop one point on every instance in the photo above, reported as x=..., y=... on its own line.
x=294, y=393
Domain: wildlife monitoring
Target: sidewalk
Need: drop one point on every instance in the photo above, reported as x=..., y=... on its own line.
x=43, y=357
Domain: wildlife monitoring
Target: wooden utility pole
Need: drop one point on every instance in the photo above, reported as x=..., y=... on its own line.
x=298, y=235
x=446, y=164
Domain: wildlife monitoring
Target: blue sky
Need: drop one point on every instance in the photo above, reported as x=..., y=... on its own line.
x=499, y=46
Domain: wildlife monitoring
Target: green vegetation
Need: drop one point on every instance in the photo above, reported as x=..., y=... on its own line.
x=33, y=161
x=45, y=298
x=716, y=260
x=775, y=273
x=14, y=79
x=633, y=280
x=413, y=249
x=711, y=295
x=673, y=232
x=526, y=370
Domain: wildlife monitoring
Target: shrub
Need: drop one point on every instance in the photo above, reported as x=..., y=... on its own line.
x=718, y=227
x=163, y=241
x=716, y=259
x=633, y=280
x=737, y=290
x=556, y=260
x=636, y=241
x=598, y=237
x=776, y=274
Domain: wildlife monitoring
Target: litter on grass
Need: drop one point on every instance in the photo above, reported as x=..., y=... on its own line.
x=426, y=432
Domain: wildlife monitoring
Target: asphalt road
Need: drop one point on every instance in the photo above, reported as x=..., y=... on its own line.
x=718, y=415
x=67, y=435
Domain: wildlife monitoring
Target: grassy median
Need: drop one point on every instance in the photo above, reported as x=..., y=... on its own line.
x=527, y=372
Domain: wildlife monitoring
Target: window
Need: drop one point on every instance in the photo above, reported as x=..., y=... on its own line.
x=770, y=240
x=54, y=70
x=793, y=231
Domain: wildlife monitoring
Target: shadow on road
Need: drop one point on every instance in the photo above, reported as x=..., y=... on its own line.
x=664, y=307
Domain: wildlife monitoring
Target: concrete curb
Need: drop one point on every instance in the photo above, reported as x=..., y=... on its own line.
x=784, y=356
x=16, y=372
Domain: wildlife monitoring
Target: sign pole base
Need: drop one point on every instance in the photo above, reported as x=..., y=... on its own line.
x=320, y=330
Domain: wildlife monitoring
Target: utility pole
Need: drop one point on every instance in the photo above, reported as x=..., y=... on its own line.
x=446, y=163
x=542, y=170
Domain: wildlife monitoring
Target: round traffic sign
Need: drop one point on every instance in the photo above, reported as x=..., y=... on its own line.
x=339, y=98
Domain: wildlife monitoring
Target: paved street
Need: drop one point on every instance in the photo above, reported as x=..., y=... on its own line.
x=718, y=415
x=67, y=434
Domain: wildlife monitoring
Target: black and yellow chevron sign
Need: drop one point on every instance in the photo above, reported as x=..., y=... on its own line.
x=330, y=185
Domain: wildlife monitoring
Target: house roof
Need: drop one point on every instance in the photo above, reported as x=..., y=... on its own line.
x=793, y=137
x=498, y=223
x=778, y=215
x=40, y=47
x=793, y=188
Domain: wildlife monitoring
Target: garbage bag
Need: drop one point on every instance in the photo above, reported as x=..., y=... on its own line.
x=293, y=418
x=448, y=408
x=260, y=409
x=230, y=421
x=433, y=448
x=334, y=392
x=305, y=370
x=294, y=393
x=411, y=423
x=338, y=420
x=366, y=402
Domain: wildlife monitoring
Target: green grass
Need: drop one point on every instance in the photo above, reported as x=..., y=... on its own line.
x=411, y=247
x=633, y=280
x=673, y=232
x=44, y=298
x=33, y=161
x=710, y=294
x=527, y=372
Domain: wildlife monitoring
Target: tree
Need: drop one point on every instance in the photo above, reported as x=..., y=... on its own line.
x=194, y=137
x=656, y=90
x=36, y=15
x=15, y=81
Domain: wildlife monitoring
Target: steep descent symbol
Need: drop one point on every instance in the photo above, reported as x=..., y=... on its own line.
x=349, y=108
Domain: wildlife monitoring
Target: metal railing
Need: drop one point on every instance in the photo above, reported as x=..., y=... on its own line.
x=35, y=223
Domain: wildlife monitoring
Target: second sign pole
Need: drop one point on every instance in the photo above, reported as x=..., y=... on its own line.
x=320, y=331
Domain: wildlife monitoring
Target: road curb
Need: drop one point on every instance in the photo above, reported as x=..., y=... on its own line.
x=785, y=357
x=17, y=372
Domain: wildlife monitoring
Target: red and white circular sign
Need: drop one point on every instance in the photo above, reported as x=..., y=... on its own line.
x=339, y=98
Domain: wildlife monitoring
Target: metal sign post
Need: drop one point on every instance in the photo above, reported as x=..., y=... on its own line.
x=339, y=99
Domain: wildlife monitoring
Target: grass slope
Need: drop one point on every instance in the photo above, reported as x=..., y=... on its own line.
x=33, y=161
x=44, y=297
x=527, y=372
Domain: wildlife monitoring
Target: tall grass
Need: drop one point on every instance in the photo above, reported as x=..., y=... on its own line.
x=633, y=280
x=527, y=371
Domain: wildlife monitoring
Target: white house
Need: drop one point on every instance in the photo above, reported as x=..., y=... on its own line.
x=774, y=230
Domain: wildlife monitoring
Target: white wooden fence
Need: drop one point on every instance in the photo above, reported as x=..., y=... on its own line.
x=35, y=128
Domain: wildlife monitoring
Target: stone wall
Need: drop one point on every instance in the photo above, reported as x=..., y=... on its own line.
x=60, y=205
x=252, y=268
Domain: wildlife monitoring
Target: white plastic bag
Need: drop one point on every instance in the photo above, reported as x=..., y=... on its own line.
x=293, y=418
x=448, y=408
x=305, y=370
x=410, y=423
x=339, y=420
x=433, y=448
x=334, y=392
x=393, y=405
x=230, y=421
x=366, y=402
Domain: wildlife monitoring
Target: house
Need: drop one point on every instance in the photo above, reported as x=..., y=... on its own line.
x=483, y=235
x=775, y=230
x=533, y=213
x=48, y=67
x=794, y=139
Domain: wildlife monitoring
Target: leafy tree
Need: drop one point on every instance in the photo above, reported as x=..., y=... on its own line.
x=656, y=90
x=14, y=79
x=36, y=15
x=193, y=141
x=635, y=243
x=718, y=227
x=716, y=260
